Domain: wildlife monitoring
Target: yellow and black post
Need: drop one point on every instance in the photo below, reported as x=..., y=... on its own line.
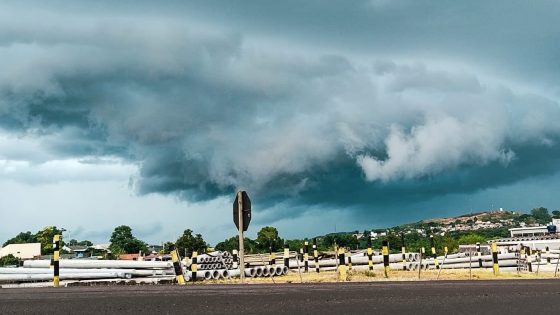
x=177, y=267
x=349, y=260
x=55, y=262
x=434, y=255
x=403, y=251
x=547, y=252
x=194, y=265
x=479, y=254
x=530, y=259
x=315, y=255
x=385, y=252
x=369, y=254
x=286, y=255
x=301, y=255
x=521, y=256
x=306, y=256
x=342, y=269
x=272, y=258
x=235, y=259
x=495, y=264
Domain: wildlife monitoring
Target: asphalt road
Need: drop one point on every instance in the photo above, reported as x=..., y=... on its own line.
x=451, y=297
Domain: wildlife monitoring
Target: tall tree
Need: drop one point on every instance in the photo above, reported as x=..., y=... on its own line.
x=188, y=243
x=122, y=241
x=541, y=215
x=267, y=239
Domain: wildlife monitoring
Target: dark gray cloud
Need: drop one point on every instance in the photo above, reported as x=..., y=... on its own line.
x=304, y=104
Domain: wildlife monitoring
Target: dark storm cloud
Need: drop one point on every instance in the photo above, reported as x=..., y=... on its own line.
x=303, y=104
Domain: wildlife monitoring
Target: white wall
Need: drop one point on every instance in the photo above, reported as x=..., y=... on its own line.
x=23, y=251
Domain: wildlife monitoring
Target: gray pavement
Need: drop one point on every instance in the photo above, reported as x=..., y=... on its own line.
x=451, y=297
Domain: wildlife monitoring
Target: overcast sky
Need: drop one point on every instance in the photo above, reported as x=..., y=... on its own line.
x=333, y=115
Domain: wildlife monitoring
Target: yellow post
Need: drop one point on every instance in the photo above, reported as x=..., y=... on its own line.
x=177, y=267
x=315, y=255
x=495, y=265
x=385, y=252
x=342, y=269
x=56, y=258
x=194, y=264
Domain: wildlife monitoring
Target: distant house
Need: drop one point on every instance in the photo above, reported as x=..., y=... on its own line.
x=79, y=251
x=102, y=247
x=155, y=248
x=22, y=251
x=130, y=257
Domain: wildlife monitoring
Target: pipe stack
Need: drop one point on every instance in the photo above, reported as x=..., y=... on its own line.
x=77, y=269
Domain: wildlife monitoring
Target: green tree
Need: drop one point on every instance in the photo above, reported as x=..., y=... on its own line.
x=9, y=260
x=556, y=214
x=45, y=237
x=190, y=243
x=541, y=215
x=340, y=239
x=22, y=238
x=268, y=239
x=295, y=245
x=232, y=243
x=168, y=247
x=469, y=239
x=122, y=241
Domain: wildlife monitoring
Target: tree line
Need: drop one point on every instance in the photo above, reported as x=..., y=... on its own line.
x=122, y=240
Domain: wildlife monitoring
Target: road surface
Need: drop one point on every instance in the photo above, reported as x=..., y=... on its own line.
x=436, y=297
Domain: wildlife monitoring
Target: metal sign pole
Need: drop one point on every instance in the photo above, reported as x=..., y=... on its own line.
x=241, y=248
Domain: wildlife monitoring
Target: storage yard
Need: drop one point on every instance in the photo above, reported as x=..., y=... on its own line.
x=292, y=267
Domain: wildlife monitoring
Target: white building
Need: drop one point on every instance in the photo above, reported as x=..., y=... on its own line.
x=528, y=231
x=22, y=251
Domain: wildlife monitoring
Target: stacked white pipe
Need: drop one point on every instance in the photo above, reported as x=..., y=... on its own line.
x=75, y=269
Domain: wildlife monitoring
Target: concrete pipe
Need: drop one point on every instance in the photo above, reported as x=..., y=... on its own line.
x=285, y=270
x=119, y=264
x=474, y=259
x=188, y=276
x=68, y=276
x=215, y=274
x=258, y=271
x=265, y=271
x=132, y=272
x=272, y=271
x=224, y=273
x=279, y=271
x=485, y=264
x=249, y=272
x=207, y=274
